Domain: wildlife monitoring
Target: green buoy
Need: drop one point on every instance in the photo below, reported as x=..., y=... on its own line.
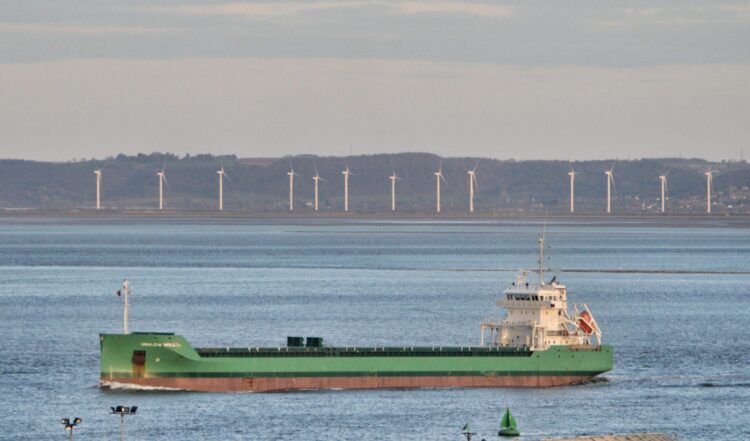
x=508, y=425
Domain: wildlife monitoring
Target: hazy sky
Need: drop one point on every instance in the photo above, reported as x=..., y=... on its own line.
x=524, y=80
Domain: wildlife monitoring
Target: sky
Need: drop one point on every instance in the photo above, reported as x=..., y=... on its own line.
x=509, y=80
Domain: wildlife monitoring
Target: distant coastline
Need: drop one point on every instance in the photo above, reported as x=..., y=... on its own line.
x=406, y=184
x=232, y=217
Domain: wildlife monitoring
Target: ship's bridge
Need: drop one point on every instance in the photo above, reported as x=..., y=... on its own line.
x=522, y=294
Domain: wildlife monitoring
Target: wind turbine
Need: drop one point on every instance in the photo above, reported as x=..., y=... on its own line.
x=709, y=183
x=221, y=174
x=572, y=175
x=98, y=173
x=393, y=179
x=610, y=183
x=291, y=173
x=316, y=179
x=346, y=174
x=472, y=182
x=663, y=182
x=162, y=180
x=438, y=178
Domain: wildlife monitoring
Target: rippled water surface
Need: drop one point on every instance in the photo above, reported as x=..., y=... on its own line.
x=680, y=335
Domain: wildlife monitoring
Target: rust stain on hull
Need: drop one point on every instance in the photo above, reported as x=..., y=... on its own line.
x=280, y=384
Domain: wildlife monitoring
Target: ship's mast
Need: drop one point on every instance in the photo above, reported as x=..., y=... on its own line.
x=126, y=294
x=541, y=259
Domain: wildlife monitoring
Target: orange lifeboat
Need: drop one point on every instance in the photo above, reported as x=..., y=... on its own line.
x=584, y=322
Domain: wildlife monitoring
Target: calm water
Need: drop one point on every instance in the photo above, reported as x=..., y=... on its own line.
x=681, y=340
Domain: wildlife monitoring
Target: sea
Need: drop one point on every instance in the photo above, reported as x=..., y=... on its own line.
x=671, y=295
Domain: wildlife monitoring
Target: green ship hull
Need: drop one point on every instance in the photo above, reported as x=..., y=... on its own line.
x=161, y=360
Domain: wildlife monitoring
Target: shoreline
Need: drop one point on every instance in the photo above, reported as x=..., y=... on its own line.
x=386, y=218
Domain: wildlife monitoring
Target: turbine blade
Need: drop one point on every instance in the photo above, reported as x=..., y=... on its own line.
x=476, y=166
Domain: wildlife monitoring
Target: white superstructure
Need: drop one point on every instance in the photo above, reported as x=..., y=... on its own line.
x=537, y=316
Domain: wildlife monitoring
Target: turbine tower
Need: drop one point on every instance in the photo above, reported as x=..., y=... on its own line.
x=438, y=178
x=162, y=180
x=291, y=175
x=610, y=183
x=663, y=182
x=572, y=175
x=221, y=174
x=98, y=173
x=709, y=182
x=346, y=174
x=316, y=179
x=472, y=182
x=393, y=179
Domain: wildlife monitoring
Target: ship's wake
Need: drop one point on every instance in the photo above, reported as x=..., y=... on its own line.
x=687, y=381
x=595, y=381
x=117, y=386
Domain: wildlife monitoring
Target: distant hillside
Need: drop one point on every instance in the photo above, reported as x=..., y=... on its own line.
x=262, y=184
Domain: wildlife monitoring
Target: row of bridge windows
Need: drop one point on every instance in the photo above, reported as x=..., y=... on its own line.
x=530, y=297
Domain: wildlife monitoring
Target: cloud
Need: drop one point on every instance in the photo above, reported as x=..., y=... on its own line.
x=265, y=10
x=720, y=14
x=262, y=10
x=48, y=28
x=479, y=9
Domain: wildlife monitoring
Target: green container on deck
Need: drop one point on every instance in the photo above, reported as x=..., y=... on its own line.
x=314, y=342
x=295, y=342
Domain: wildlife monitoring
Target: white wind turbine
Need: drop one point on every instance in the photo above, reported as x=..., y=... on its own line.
x=472, y=182
x=346, y=174
x=610, y=184
x=438, y=178
x=663, y=184
x=393, y=179
x=317, y=179
x=98, y=173
x=221, y=174
x=709, y=183
x=572, y=175
x=162, y=180
x=291, y=173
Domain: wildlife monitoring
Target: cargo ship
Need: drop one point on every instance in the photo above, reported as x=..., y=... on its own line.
x=539, y=342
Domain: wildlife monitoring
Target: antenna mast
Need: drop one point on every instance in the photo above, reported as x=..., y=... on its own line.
x=541, y=259
x=126, y=294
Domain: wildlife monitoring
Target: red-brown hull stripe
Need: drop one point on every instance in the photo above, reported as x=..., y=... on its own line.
x=271, y=384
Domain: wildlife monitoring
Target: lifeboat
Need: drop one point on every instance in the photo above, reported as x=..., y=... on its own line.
x=584, y=322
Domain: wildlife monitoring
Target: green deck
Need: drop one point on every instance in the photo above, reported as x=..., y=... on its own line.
x=168, y=355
